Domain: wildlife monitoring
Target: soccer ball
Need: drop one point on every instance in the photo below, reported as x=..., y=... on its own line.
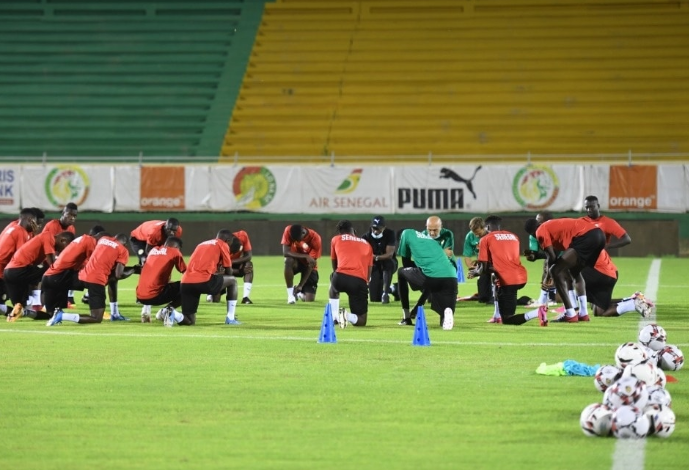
x=596, y=420
x=625, y=392
x=658, y=396
x=645, y=371
x=628, y=422
x=301, y=296
x=671, y=358
x=628, y=353
x=606, y=376
x=662, y=420
x=662, y=379
x=653, y=336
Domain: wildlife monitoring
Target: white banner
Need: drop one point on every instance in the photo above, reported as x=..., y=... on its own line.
x=127, y=184
x=50, y=187
x=9, y=188
x=671, y=188
x=347, y=190
x=477, y=188
x=197, y=184
x=221, y=188
x=597, y=183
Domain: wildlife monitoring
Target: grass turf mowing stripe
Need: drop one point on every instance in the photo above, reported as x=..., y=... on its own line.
x=631, y=454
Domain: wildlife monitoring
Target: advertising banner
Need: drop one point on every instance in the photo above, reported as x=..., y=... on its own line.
x=672, y=189
x=50, y=187
x=347, y=190
x=161, y=188
x=633, y=187
x=197, y=187
x=9, y=188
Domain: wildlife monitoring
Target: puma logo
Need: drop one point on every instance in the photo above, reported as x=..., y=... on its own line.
x=449, y=174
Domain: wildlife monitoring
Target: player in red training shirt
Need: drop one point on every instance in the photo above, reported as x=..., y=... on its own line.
x=63, y=275
x=580, y=242
x=12, y=238
x=27, y=266
x=154, y=287
x=153, y=233
x=301, y=247
x=64, y=224
x=498, y=251
x=609, y=226
x=107, y=260
x=209, y=272
x=352, y=259
x=242, y=265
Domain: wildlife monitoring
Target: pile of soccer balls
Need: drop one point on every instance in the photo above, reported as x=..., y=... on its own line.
x=635, y=402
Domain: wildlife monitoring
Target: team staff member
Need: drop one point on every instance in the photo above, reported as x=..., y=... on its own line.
x=499, y=254
x=107, y=260
x=202, y=277
x=242, y=265
x=431, y=272
x=301, y=247
x=12, y=238
x=383, y=243
x=580, y=243
x=63, y=275
x=153, y=233
x=445, y=237
x=352, y=260
x=154, y=287
x=609, y=226
x=27, y=266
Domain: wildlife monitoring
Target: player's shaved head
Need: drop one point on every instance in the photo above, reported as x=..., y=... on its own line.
x=433, y=226
x=296, y=232
x=174, y=242
x=123, y=238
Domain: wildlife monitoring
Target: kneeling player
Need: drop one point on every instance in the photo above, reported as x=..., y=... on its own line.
x=202, y=277
x=154, y=287
x=352, y=259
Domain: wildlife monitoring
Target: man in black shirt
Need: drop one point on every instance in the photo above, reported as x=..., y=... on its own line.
x=383, y=242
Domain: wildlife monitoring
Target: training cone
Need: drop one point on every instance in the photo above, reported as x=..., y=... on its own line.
x=421, y=330
x=328, y=327
x=460, y=273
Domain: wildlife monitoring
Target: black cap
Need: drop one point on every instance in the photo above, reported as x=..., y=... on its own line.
x=378, y=221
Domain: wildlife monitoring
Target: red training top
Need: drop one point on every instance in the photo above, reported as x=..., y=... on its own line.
x=310, y=244
x=157, y=270
x=11, y=239
x=609, y=227
x=152, y=232
x=559, y=233
x=354, y=255
x=55, y=227
x=501, y=248
x=34, y=251
x=205, y=260
x=74, y=256
x=105, y=256
x=604, y=265
x=246, y=244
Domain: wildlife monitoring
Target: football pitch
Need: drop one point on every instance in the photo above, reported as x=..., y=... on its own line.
x=265, y=394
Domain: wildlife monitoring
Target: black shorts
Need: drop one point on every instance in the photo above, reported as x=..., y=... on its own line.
x=588, y=246
x=599, y=287
x=138, y=247
x=238, y=269
x=56, y=287
x=190, y=292
x=169, y=294
x=311, y=284
x=96, y=295
x=507, y=300
x=19, y=281
x=355, y=288
x=443, y=290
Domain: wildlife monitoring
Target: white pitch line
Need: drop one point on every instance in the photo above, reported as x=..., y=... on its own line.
x=630, y=454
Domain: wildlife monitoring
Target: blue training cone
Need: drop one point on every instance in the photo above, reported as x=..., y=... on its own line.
x=327, y=327
x=421, y=330
x=460, y=273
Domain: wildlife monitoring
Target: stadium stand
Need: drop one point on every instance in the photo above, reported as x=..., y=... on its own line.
x=121, y=78
x=392, y=78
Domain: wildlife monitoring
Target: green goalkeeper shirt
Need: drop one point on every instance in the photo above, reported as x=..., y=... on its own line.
x=427, y=254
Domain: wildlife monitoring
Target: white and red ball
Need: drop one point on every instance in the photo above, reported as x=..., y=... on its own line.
x=671, y=358
x=627, y=391
x=653, y=336
x=605, y=376
x=629, y=353
x=629, y=422
x=646, y=371
x=658, y=396
x=661, y=419
x=595, y=420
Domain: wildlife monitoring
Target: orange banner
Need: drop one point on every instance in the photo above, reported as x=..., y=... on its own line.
x=633, y=187
x=162, y=188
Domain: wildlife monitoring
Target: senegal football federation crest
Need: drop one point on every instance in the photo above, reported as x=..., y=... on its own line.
x=254, y=187
x=535, y=187
x=66, y=184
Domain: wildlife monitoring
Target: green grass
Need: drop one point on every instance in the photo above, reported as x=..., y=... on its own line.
x=267, y=395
